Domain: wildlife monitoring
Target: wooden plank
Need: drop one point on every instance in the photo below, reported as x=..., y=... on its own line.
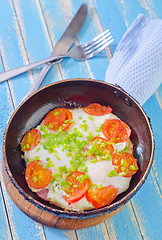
x=5, y=233
x=57, y=234
x=156, y=7
x=5, y=109
x=96, y=232
x=10, y=51
x=18, y=221
x=36, y=38
x=153, y=111
x=124, y=225
x=147, y=207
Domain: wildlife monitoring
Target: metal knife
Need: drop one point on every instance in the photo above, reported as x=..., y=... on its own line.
x=63, y=45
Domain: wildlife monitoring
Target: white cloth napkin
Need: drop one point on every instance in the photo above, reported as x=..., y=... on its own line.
x=137, y=62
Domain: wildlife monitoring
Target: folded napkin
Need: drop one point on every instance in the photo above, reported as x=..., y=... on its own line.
x=137, y=62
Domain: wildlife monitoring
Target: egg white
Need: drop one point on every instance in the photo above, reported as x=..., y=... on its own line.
x=97, y=171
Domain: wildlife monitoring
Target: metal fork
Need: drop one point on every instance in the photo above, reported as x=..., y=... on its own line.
x=82, y=52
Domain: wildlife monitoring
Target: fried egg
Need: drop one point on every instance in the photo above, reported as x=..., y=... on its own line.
x=63, y=158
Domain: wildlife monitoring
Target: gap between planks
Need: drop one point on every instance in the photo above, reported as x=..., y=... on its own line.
x=4, y=202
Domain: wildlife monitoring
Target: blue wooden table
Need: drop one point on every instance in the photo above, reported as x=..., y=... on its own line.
x=29, y=29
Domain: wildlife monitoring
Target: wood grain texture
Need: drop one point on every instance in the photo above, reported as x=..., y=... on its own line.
x=5, y=228
x=28, y=31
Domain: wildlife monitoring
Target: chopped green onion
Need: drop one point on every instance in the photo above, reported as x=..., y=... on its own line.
x=99, y=128
x=124, y=149
x=91, y=118
x=100, y=185
x=49, y=164
x=123, y=169
x=50, y=125
x=27, y=146
x=56, y=113
x=60, y=130
x=112, y=173
x=58, y=158
x=132, y=167
x=66, y=121
x=119, y=154
x=122, y=174
x=122, y=162
x=43, y=128
x=35, y=179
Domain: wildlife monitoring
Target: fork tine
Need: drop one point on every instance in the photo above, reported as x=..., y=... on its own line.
x=92, y=54
x=96, y=46
x=96, y=42
x=95, y=39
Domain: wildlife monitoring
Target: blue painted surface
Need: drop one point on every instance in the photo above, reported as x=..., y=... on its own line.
x=28, y=31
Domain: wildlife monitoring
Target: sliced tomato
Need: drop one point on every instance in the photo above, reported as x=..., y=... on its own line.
x=97, y=110
x=43, y=194
x=116, y=130
x=100, y=197
x=77, y=189
x=125, y=164
x=59, y=117
x=30, y=140
x=37, y=176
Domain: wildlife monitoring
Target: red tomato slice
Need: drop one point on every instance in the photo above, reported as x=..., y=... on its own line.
x=77, y=189
x=116, y=130
x=97, y=110
x=59, y=117
x=125, y=164
x=30, y=140
x=100, y=197
x=37, y=176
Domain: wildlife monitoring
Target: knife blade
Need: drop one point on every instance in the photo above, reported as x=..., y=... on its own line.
x=63, y=45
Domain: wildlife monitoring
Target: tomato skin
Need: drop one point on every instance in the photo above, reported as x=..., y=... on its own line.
x=37, y=176
x=78, y=193
x=100, y=197
x=122, y=163
x=59, y=117
x=30, y=140
x=116, y=130
x=97, y=110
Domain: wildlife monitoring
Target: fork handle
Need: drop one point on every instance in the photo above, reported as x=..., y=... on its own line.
x=17, y=71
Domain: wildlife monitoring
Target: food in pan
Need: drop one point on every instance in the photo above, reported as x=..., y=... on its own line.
x=79, y=159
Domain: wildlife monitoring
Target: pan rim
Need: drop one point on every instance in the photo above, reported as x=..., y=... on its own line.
x=87, y=213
